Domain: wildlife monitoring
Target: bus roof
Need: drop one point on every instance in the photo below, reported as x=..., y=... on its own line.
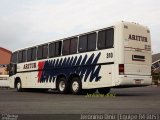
x=95, y=30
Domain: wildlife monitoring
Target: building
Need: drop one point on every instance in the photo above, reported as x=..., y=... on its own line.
x=5, y=56
x=156, y=63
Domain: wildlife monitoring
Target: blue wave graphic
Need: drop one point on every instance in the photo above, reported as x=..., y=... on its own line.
x=82, y=66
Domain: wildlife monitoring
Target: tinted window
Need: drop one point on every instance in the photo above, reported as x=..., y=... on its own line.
x=101, y=40
x=20, y=56
x=55, y=49
x=87, y=42
x=92, y=41
x=34, y=53
x=24, y=56
x=58, y=46
x=14, y=58
x=52, y=50
x=106, y=38
x=42, y=52
x=109, y=38
x=73, y=45
x=69, y=46
x=39, y=52
x=29, y=52
x=66, y=47
x=45, y=51
x=82, y=43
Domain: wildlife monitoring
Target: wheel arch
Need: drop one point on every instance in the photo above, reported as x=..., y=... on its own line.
x=60, y=76
x=17, y=79
x=71, y=76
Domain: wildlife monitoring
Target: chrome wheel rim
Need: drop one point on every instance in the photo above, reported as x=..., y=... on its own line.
x=62, y=86
x=18, y=85
x=75, y=86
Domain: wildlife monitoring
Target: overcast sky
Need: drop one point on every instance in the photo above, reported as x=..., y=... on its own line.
x=26, y=23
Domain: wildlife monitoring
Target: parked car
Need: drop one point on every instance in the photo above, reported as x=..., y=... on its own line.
x=4, y=81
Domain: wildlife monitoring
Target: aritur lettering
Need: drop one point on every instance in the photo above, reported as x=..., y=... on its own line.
x=138, y=38
x=30, y=65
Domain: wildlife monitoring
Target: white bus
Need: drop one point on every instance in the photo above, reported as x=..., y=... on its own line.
x=115, y=56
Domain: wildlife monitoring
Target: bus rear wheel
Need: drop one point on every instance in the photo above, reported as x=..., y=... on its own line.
x=76, y=85
x=62, y=85
x=104, y=90
x=19, y=86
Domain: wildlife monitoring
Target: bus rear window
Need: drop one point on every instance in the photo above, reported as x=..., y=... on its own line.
x=138, y=57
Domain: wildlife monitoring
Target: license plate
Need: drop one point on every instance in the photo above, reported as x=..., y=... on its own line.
x=138, y=81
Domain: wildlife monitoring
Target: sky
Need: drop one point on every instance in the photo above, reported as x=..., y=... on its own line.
x=25, y=23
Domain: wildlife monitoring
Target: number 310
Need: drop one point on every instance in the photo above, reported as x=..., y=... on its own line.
x=109, y=55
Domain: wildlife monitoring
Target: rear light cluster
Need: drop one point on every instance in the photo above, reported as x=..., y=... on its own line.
x=121, y=69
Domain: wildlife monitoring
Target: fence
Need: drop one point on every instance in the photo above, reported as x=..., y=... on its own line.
x=156, y=79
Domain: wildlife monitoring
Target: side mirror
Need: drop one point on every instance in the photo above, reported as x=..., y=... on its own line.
x=12, y=69
x=9, y=68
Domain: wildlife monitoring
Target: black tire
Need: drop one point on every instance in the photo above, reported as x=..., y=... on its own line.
x=104, y=90
x=62, y=85
x=76, y=86
x=19, y=86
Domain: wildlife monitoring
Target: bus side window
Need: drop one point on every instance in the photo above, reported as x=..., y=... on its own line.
x=109, y=38
x=51, y=50
x=101, y=40
x=69, y=46
x=58, y=46
x=66, y=46
x=39, y=52
x=82, y=43
x=55, y=49
x=105, y=38
x=24, y=56
x=29, y=57
x=42, y=52
x=14, y=58
x=87, y=42
x=73, y=45
x=45, y=51
x=92, y=41
x=34, y=53
x=31, y=54
x=19, y=56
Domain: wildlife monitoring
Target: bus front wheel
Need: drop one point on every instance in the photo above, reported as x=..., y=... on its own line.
x=76, y=85
x=19, y=86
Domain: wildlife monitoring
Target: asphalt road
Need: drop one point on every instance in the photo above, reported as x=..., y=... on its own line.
x=121, y=101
